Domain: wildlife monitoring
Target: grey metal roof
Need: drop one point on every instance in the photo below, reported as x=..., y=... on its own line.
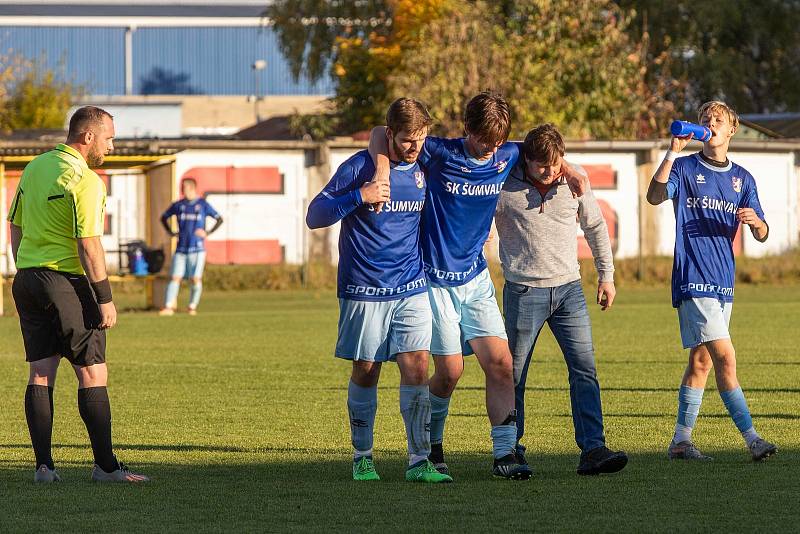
x=784, y=124
x=130, y=10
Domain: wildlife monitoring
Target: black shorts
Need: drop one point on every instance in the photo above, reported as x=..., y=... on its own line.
x=59, y=316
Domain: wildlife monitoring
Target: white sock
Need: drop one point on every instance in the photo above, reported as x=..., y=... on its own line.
x=682, y=433
x=750, y=436
x=415, y=459
x=360, y=454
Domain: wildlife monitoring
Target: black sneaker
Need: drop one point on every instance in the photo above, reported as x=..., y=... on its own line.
x=437, y=458
x=511, y=468
x=602, y=460
x=520, y=452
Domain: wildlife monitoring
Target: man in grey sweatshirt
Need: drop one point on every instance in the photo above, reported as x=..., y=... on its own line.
x=536, y=222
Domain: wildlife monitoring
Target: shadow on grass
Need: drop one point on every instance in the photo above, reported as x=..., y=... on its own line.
x=139, y=447
x=606, y=415
x=626, y=389
x=310, y=490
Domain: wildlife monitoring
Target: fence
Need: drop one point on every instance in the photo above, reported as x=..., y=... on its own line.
x=262, y=190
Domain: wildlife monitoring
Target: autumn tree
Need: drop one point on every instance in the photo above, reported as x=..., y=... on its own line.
x=573, y=63
x=743, y=52
x=33, y=96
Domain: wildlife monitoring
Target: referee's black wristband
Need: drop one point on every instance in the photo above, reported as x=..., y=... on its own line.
x=102, y=290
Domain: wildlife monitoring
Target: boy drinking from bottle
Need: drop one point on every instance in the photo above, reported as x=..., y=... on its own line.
x=711, y=196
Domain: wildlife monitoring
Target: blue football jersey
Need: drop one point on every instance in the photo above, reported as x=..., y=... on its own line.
x=191, y=216
x=705, y=198
x=462, y=197
x=379, y=253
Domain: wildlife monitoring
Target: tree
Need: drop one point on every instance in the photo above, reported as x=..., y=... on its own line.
x=309, y=43
x=33, y=97
x=573, y=63
x=736, y=50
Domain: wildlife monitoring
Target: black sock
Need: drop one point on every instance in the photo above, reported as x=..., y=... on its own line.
x=39, y=413
x=96, y=414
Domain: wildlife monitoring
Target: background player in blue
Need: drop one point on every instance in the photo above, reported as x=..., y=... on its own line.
x=384, y=313
x=711, y=196
x=465, y=177
x=190, y=254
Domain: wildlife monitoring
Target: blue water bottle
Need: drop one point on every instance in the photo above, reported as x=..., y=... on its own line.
x=139, y=267
x=684, y=128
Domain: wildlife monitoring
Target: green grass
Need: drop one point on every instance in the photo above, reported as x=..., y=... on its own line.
x=239, y=416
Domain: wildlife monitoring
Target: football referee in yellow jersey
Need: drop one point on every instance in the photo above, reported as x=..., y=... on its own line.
x=61, y=289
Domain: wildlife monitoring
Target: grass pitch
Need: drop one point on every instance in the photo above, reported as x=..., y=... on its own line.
x=239, y=417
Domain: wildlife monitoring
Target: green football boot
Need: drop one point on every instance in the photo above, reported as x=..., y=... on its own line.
x=425, y=471
x=364, y=469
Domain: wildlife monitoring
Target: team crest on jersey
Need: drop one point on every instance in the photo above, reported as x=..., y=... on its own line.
x=501, y=165
x=419, y=178
x=737, y=184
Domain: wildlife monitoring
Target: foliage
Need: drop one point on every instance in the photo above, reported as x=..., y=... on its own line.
x=309, y=42
x=362, y=93
x=315, y=126
x=33, y=96
x=273, y=277
x=573, y=64
x=456, y=55
x=10, y=67
x=736, y=50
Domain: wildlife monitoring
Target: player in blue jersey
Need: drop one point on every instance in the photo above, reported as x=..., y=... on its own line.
x=711, y=196
x=384, y=313
x=465, y=177
x=190, y=254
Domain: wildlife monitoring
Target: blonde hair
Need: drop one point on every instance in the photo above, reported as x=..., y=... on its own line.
x=717, y=106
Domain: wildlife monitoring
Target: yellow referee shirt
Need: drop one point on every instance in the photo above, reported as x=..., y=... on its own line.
x=59, y=199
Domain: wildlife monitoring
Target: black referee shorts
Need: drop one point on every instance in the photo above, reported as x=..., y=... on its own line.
x=59, y=316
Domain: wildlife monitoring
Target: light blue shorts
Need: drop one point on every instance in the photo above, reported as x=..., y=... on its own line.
x=188, y=265
x=462, y=313
x=704, y=319
x=378, y=331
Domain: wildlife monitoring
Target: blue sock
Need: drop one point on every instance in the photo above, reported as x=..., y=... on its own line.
x=194, y=295
x=415, y=407
x=689, y=400
x=737, y=408
x=171, y=300
x=504, y=439
x=439, y=408
x=362, y=403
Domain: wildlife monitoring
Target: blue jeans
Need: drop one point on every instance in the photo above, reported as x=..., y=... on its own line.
x=564, y=309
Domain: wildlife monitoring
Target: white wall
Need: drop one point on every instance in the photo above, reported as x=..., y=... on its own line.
x=133, y=121
x=281, y=217
x=624, y=199
x=258, y=216
x=125, y=204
